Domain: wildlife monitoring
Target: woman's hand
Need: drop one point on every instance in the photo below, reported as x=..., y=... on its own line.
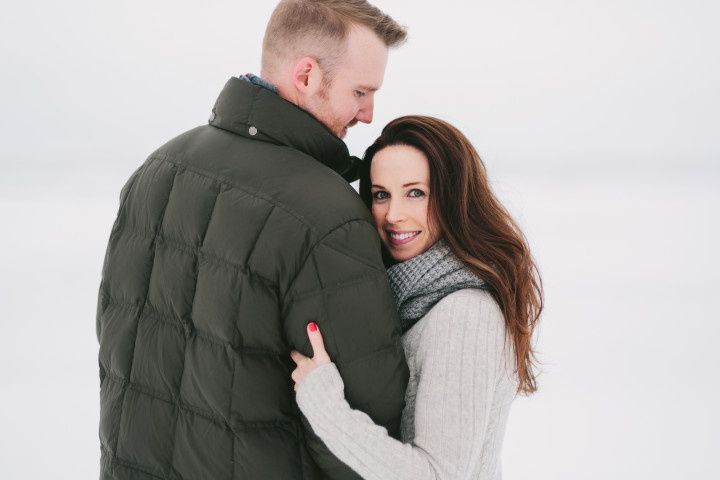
x=304, y=364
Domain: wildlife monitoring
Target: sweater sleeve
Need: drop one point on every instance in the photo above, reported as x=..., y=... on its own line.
x=461, y=365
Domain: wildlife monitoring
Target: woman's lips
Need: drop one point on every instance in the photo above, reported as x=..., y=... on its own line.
x=401, y=238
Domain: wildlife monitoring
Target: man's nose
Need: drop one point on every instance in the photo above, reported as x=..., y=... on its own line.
x=365, y=114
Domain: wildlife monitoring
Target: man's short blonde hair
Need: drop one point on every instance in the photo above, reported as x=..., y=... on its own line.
x=319, y=29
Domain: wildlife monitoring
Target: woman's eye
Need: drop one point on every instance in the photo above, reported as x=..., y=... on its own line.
x=416, y=193
x=380, y=195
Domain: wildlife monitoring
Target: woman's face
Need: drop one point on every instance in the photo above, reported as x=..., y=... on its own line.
x=400, y=187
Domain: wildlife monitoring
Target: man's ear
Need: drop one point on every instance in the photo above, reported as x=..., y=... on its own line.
x=307, y=76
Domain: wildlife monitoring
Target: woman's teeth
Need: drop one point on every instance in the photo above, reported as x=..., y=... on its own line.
x=403, y=236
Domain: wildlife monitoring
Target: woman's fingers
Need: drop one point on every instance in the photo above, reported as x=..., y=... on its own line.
x=305, y=365
x=297, y=357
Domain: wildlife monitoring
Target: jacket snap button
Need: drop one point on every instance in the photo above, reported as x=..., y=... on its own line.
x=252, y=131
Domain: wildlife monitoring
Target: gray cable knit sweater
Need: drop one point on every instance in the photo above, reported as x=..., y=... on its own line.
x=462, y=383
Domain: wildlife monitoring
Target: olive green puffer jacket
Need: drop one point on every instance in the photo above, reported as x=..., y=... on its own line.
x=229, y=240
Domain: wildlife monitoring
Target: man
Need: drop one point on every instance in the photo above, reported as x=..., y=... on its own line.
x=230, y=239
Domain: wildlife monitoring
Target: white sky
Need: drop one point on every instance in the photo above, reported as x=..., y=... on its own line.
x=598, y=121
x=571, y=83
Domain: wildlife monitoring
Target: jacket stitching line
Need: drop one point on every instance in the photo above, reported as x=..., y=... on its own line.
x=257, y=237
x=379, y=351
x=355, y=257
x=124, y=194
x=154, y=314
x=115, y=302
x=147, y=292
x=131, y=465
x=165, y=158
x=219, y=420
x=189, y=321
x=312, y=250
x=202, y=254
x=302, y=295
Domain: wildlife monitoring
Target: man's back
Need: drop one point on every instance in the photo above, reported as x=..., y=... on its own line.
x=229, y=240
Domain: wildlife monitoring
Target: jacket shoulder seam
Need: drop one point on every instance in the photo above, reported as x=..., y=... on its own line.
x=318, y=242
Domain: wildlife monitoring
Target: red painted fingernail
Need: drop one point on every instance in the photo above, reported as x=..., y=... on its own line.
x=313, y=327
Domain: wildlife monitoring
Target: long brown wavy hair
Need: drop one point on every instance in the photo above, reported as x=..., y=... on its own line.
x=476, y=227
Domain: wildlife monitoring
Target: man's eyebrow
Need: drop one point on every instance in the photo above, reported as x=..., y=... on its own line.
x=369, y=89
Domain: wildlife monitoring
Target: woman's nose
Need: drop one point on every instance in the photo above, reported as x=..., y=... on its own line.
x=395, y=213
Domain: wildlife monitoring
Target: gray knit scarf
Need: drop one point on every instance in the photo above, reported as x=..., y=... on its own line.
x=419, y=283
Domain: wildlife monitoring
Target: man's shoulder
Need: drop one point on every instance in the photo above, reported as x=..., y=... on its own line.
x=294, y=182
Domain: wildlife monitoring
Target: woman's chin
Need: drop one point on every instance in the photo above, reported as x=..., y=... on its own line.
x=403, y=253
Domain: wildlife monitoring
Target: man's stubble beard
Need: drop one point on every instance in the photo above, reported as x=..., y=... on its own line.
x=325, y=113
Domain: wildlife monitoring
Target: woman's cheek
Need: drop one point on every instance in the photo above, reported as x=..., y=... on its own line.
x=377, y=215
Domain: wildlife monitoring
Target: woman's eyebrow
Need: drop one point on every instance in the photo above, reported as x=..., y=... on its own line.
x=404, y=186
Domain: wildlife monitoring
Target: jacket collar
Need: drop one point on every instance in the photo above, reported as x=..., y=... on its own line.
x=255, y=112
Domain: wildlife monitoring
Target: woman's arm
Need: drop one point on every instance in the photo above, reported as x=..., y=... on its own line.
x=461, y=368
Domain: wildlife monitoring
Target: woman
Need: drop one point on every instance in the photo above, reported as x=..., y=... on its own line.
x=468, y=296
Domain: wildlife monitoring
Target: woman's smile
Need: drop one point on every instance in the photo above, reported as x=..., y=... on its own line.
x=399, y=237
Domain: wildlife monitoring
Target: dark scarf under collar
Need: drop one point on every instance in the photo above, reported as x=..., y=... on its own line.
x=259, y=81
x=419, y=283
